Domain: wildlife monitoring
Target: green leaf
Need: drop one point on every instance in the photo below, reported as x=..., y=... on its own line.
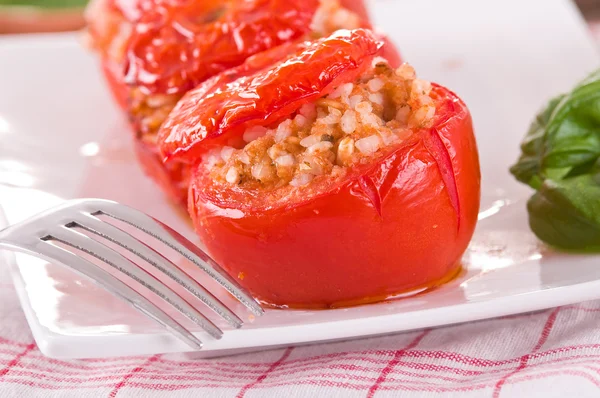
x=567, y=213
x=572, y=136
x=560, y=159
x=528, y=167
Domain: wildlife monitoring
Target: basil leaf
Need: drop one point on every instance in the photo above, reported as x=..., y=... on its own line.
x=528, y=167
x=567, y=213
x=560, y=159
x=572, y=136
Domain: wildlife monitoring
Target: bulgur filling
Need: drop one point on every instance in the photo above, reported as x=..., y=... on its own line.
x=349, y=126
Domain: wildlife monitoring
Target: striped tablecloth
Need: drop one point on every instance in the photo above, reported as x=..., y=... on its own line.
x=553, y=353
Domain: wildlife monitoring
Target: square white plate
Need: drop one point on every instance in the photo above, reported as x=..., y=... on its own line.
x=61, y=137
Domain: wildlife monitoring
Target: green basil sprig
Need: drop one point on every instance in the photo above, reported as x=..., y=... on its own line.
x=560, y=159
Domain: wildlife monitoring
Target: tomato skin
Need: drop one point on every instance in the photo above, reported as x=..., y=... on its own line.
x=207, y=115
x=186, y=41
x=387, y=229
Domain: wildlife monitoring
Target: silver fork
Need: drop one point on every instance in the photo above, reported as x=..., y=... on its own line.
x=60, y=224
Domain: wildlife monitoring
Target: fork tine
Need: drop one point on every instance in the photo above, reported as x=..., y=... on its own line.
x=177, y=242
x=127, y=241
x=109, y=282
x=104, y=253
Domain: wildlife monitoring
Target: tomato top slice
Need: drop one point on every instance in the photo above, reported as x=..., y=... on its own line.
x=218, y=110
x=179, y=43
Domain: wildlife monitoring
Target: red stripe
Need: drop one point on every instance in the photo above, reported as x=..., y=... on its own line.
x=16, y=359
x=318, y=383
x=434, y=354
x=108, y=379
x=403, y=385
x=320, y=360
x=116, y=380
x=129, y=375
x=244, y=389
x=202, y=377
x=13, y=343
x=524, y=359
x=149, y=370
x=559, y=373
x=329, y=384
x=10, y=351
x=35, y=370
x=578, y=308
x=394, y=361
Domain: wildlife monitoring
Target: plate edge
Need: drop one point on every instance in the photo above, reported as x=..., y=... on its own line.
x=43, y=340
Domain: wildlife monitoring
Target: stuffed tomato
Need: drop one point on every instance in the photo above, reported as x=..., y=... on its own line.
x=329, y=178
x=153, y=51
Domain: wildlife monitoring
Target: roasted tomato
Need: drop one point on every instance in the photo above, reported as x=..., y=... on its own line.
x=155, y=50
x=345, y=183
x=185, y=42
x=210, y=110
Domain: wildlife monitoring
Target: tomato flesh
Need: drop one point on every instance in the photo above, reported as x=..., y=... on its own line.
x=211, y=111
x=387, y=227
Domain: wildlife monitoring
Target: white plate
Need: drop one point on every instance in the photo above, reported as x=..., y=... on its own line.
x=61, y=137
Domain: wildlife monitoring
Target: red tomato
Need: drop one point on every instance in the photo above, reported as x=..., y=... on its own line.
x=399, y=223
x=179, y=43
x=161, y=56
x=204, y=115
x=174, y=44
x=173, y=177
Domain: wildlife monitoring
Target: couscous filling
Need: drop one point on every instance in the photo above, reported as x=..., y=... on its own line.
x=349, y=126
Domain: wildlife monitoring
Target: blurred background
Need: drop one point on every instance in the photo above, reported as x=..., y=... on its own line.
x=26, y=16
